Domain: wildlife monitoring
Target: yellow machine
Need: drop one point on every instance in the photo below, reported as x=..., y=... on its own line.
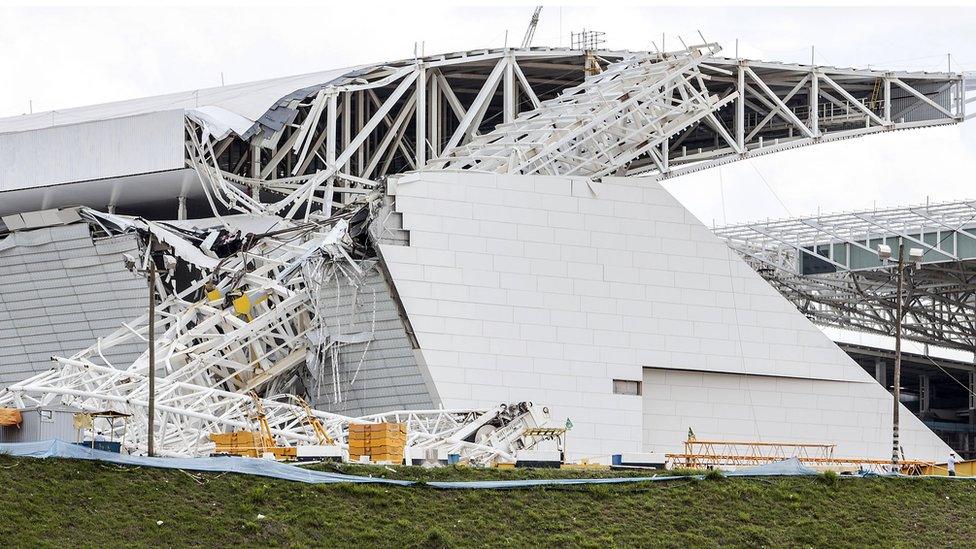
x=251, y=444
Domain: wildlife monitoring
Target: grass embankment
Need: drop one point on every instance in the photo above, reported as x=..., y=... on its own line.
x=77, y=503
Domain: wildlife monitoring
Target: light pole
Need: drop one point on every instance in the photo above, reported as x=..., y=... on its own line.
x=151, y=273
x=152, y=349
x=884, y=252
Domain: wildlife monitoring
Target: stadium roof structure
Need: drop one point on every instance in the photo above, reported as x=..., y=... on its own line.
x=830, y=268
x=324, y=138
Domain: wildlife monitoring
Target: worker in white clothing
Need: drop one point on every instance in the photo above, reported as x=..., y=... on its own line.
x=951, y=465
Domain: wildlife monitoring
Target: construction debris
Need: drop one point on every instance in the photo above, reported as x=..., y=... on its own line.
x=708, y=454
x=235, y=341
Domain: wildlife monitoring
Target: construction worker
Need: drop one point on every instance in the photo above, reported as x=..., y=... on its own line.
x=951, y=465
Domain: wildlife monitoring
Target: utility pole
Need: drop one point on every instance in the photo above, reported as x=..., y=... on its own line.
x=152, y=348
x=897, y=390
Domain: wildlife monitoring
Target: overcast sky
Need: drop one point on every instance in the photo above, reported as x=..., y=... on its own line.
x=63, y=57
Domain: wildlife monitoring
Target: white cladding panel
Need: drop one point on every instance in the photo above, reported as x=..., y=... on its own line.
x=549, y=288
x=92, y=150
x=854, y=416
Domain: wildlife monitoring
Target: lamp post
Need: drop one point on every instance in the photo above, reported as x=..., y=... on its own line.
x=152, y=273
x=152, y=350
x=884, y=252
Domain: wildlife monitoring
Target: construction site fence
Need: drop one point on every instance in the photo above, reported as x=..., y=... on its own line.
x=284, y=471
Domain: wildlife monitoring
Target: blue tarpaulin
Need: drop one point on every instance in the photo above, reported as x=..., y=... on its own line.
x=274, y=469
x=788, y=467
x=284, y=471
x=258, y=467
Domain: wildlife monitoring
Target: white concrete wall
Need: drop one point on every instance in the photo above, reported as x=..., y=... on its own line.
x=854, y=416
x=548, y=288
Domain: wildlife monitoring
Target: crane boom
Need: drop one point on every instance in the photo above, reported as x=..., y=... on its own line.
x=314, y=422
x=530, y=32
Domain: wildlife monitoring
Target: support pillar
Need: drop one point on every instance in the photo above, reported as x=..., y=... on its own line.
x=924, y=395
x=740, y=109
x=434, y=117
x=814, y=103
x=972, y=396
x=508, y=91
x=256, y=170
x=346, y=127
x=181, y=209
x=331, y=122
x=360, y=120
x=420, y=120
x=887, y=101
x=881, y=372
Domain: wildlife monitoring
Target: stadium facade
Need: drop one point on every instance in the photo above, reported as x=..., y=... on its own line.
x=449, y=232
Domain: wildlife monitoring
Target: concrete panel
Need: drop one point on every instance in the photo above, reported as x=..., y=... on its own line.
x=669, y=296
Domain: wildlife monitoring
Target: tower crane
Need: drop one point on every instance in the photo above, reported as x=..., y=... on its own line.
x=530, y=32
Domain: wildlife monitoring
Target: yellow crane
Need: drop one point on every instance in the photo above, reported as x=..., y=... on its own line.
x=314, y=422
x=266, y=438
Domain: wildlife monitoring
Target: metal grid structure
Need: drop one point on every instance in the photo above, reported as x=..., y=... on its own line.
x=533, y=111
x=829, y=267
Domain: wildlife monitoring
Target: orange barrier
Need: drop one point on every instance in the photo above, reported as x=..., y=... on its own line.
x=10, y=417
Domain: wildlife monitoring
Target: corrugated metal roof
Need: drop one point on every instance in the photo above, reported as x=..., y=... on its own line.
x=250, y=100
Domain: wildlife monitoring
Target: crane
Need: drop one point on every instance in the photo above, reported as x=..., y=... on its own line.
x=314, y=422
x=530, y=32
x=266, y=438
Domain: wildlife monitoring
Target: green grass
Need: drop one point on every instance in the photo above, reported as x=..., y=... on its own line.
x=57, y=503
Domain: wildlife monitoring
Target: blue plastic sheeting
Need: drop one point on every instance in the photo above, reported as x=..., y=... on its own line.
x=284, y=471
x=257, y=467
x=510, y=484
x=788, y=467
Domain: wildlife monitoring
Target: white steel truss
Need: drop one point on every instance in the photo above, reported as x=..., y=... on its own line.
x=242, y=328
x=829, y=267
x=662, y=115
x=533, y=110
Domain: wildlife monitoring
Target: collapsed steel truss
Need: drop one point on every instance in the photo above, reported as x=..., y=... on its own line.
x=243, y=328
x=829, y=267
x=532, y=111
x=320, y=155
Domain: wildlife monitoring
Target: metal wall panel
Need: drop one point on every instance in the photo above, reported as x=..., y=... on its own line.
x=49, y=305
x=375, y=376
x=43, y=423
x=92, y=150
x=908, y=108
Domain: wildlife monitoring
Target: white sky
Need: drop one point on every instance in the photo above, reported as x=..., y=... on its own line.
x=59, y=57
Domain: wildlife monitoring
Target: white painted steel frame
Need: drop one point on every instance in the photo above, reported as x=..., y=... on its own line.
x=809, y=260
